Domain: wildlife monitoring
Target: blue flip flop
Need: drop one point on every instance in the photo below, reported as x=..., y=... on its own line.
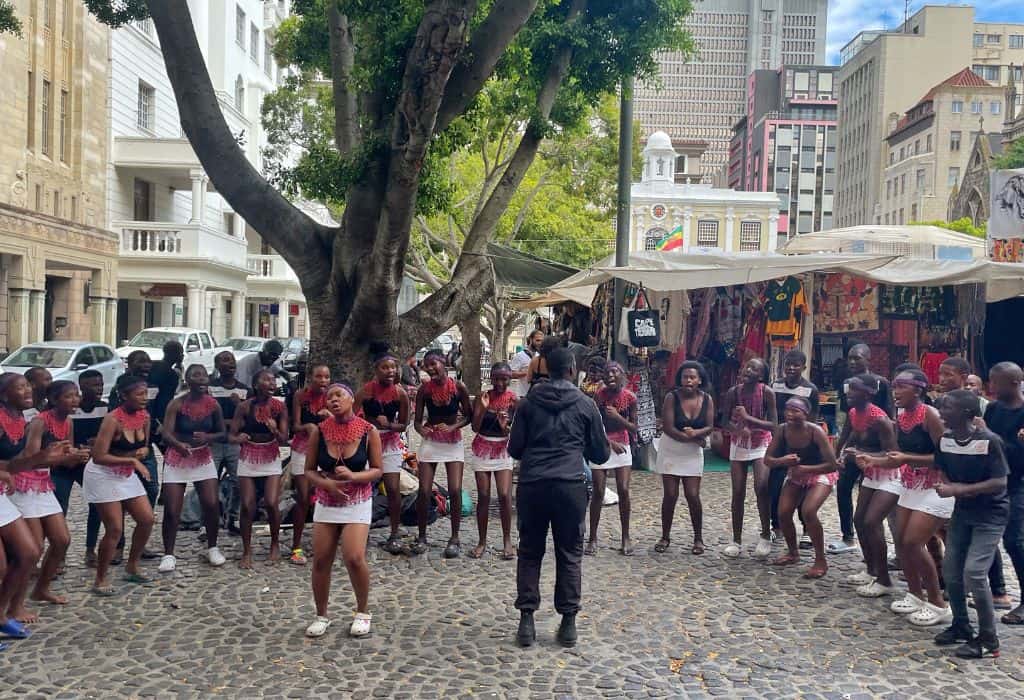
x=4, y=647
x=14, y=629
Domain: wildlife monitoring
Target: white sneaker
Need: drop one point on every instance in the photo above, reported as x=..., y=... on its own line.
x=360, y=625
x=168, y=564
x=214, y=556
x=732, y=551
x=929, y=615
x=861, y=578
x=906, y=605
x=763, y=548
x=318, y=627
x=875, y=590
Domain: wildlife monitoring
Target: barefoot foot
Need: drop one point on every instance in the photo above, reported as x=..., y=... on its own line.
x=23, y=615
x=49, y=596
x=477, y=551
x=786, y=560
x=245, y=562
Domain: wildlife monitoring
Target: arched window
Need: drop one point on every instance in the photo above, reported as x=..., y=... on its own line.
x=240, y=95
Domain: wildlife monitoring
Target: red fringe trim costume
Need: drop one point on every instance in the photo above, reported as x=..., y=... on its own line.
x=341, y=434
x=917, y=478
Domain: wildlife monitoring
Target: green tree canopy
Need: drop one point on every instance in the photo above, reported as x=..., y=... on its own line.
x=1012, y=157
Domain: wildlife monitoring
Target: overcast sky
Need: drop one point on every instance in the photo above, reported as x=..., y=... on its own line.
x=847, y=17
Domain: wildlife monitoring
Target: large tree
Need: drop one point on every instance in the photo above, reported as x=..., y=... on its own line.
x=404, y=78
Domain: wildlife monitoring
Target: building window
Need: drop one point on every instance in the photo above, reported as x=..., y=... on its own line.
x=74, y=208
x=996, y=107
x=44, y=142
x=993, y=39
x=69, y=18
x=954, y=177
x=975, y=106
x=888, y=189
x=913, y=212
x=56, y=203
x=63, y=133
x=979, y=40
x=1016, y=41
x=954, y=140
x=240, y=24
x=31, y=135
x=892, y=157
x=902, y=221
x=707, y=234
x=147, y=106
x=903, y=184
x=958, y=106
x=240, y=95
x=928, y=144
x=254, y=43
x=750, y=235
x=903, y=153
x=917, y=147
x=920, y=179
x=39, y=197
x=268, y=58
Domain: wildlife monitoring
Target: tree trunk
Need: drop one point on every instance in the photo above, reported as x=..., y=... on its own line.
x=471, y=354
x=499, y=350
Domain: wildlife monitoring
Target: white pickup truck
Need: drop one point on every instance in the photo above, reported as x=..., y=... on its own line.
x=199, y=345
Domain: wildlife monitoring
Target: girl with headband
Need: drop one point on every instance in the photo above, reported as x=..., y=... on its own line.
x=342, y=462
x=113, y=480
x=260, y=426
x=36, y=500
x=618, y=409
x=868, y=432
x=920, y=512
x=193, y=423
x=386, y=405
x=442, y=411
x=309, y=407
x=492, y=422
x=802, y=449
x=688, y=417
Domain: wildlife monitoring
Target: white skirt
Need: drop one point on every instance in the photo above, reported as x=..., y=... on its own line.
x=615, y=461
x=102, y=485
x=8, y=511
x=392, y=462
x=889, y=484
x=927, y=501
x=358, y=514
x=180, y=470
x=36, y=504
x=746, y=454
x=492, y=464
x=441, y=452
x=257, y=460
x=679, y=458
x=297, y=464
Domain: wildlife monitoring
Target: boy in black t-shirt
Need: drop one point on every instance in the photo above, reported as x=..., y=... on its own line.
x=1005, y=418
x=974, y=466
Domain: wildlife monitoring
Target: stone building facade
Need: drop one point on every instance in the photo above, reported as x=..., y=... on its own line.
x=58, y=263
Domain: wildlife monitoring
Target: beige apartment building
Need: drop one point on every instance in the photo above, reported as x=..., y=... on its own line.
x=886, y=72
x=58, y=263
x=929, y=147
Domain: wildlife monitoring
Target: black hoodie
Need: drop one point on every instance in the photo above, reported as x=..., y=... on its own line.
x=556, y=426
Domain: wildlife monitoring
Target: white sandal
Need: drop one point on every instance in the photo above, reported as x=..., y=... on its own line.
x=318, y=627
x=906, y=605
x=861, y=578
x=930, y=615
x=732, y=551
x=360, y=625
x=875, y=590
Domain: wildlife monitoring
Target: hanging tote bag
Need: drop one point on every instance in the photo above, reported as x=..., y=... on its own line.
x=644, y=324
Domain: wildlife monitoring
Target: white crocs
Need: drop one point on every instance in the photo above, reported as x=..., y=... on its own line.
x=318, y=627
x=360, y=625
x=875, y=590
x=861, y=578
x=906, y=605
x=930, y=615
x=167, y=564
x=763, y=548
x=732, y=551
x=215, y=557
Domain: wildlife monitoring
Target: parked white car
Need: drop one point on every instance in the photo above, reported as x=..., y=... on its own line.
x=200, y=347
x=67, y=360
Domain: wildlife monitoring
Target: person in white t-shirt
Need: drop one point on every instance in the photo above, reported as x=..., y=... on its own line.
x=520, y=362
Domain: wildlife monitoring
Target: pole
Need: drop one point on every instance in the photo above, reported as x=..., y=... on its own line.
x=622, y=223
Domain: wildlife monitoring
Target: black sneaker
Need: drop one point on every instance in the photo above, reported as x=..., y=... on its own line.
x=979, y=648
x=566, y=635
x=527, y=633
x=954, y=634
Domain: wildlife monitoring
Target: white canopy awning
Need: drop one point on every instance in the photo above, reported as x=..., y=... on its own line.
x=915, y=241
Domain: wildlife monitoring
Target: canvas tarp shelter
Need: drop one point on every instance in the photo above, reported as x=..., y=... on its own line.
x=928, y=242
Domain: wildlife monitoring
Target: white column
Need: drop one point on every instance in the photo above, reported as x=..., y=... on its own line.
x=773, y=231
x=239, y=227
x=111, y=332
x=198, y=195
x=238, y=308
x=687, y=236
x=217, y=322
x=282, y=318
x=98, y=319
x=195, y=312
x=36, y=315
x=17, y=318
x=730, y=220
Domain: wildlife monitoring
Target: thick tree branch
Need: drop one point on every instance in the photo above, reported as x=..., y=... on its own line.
x=346, y=132
x=487, y=45
x=527, y=203
x=292, y=233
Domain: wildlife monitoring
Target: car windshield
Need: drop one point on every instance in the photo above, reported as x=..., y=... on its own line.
x=245, y=344
x=155, y=339
x=39, y=356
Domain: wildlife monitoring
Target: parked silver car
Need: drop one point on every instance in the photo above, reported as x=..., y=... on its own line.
x=67, y=360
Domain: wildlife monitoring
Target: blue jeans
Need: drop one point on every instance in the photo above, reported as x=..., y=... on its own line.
x=970, y=548
x=63, y=480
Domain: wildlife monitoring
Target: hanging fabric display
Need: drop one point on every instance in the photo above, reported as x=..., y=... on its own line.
x=640, y=385
x=786, y=306
x=845, y=304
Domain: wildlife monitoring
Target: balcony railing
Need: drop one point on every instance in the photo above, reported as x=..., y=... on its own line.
x=271, y=268
x=173, y=241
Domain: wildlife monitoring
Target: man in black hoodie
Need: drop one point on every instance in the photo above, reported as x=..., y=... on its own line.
x=556, y=427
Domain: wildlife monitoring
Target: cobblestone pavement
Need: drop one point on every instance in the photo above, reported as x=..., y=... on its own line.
x=654, y=625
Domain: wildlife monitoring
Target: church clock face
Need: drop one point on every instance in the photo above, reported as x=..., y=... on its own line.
x=658, y=212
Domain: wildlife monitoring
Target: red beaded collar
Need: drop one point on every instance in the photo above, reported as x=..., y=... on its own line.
x=344, y=433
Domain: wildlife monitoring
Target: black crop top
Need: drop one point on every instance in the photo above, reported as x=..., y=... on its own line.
x=809, y=454
x=185, y=425
x=356, y=463
x=372, y=409
x=10, y=449
x=915, y=442
x=682, y=420
x=442, y=414
x=255, y=429
x=122, y=445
